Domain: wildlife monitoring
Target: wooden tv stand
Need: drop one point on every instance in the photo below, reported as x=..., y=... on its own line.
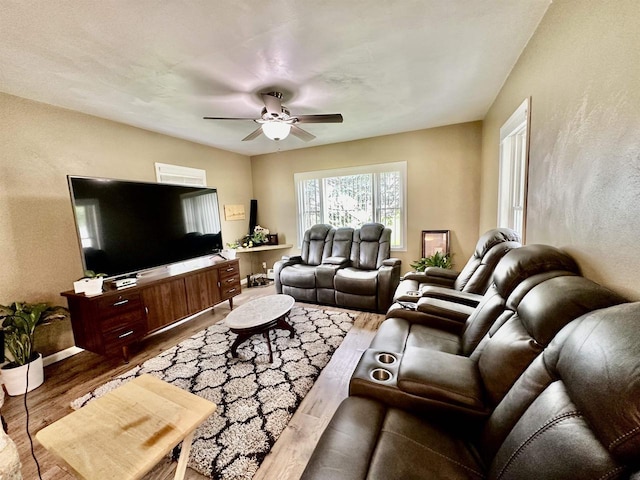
x=109, y=323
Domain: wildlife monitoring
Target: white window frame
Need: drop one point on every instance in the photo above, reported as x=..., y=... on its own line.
x=364, y=169
x=179, y=175
x=514, y=165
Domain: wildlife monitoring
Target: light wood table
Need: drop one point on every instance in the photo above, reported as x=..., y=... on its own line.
x=125, y=433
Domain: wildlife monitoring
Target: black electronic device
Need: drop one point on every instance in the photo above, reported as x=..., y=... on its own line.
x=253, y=216
x=126, y=227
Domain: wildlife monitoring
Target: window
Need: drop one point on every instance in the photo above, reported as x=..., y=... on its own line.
x=349, y=197
x=514, y=153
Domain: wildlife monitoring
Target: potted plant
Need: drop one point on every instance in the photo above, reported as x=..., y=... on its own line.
x=438, y=259
x=25, y=370
x=90, y=284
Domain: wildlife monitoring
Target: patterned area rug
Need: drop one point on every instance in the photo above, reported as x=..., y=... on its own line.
x=255, y=399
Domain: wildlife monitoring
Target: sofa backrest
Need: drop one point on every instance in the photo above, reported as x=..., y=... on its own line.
x=476, y=276
x=371, y=246
x=516, y=273
x=317, y=244
x=342, y=241
x=575, y=411
x=515, y=340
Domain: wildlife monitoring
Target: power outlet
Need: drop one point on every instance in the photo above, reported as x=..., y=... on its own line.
x=264, y=265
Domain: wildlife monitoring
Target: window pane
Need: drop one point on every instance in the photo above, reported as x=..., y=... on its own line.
x=389, y=205
x=353, y=196
x=311, y=210
x=349, y=200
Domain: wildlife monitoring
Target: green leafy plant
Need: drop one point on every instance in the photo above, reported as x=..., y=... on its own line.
x=92, y=274
x=436, y=260
x=19, y=322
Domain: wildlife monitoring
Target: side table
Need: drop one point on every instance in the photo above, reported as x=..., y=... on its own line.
x=125, y=433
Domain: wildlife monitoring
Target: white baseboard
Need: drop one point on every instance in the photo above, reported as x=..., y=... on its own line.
x=61, y=355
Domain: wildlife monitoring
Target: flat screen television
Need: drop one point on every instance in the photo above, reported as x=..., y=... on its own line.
x=127, y=227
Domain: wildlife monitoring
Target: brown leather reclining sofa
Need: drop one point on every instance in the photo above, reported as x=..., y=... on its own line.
x=541, y=381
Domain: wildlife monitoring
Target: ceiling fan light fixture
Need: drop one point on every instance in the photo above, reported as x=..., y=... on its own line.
x=276, y=130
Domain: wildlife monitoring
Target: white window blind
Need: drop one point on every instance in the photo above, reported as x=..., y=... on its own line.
x=349, y=197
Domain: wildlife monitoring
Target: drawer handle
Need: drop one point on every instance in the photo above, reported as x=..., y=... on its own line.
x=121, y=302
x=230, y=269
x=232, y=290
x=126, y=334
x=230, y=280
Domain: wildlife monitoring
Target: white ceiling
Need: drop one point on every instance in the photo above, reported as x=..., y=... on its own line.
x=388, y=66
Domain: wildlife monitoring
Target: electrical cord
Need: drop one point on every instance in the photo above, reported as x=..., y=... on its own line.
x=26, y=408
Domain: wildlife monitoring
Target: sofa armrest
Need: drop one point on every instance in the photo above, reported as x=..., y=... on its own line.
x=407, y=311
x=433, y=276
x=391, y=262
x=388, y=280
x=279, y=265
x=442, y=377
x=450, y=295
x=441, y=272
x=444, y=309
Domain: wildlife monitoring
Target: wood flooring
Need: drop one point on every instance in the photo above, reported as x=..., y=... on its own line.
x=73, y=377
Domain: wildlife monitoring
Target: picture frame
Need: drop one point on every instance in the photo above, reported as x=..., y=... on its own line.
x=435, y=241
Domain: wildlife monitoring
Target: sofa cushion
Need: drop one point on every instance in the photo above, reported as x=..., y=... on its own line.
x=394, y=334
x=299, y=275
x=475, y=277
x=433, y=338
x=366, y=440
x=357, y=282
x=317, y=244
x=522, y=263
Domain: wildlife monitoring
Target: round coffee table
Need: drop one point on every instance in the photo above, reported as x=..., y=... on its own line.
x=260, y=316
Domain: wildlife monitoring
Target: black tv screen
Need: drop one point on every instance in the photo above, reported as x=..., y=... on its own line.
x=126, y=227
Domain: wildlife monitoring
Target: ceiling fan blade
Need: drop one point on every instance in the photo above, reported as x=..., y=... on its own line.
x=255, y=134
x=273, y=103
x=301, y=134
x=227, y=118
x=324, y=118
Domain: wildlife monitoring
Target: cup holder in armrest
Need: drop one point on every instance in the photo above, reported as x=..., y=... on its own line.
x=381, y=375
x=386, y=358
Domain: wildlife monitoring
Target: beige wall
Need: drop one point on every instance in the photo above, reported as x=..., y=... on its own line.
x=443, y=166
x=582, y=70
x=40, y=145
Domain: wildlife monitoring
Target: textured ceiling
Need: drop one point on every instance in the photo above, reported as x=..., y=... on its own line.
x=387, y=66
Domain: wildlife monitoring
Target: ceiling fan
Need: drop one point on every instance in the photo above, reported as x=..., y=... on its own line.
x=276, y=122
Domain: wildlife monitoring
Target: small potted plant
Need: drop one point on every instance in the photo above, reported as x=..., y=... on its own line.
x=438, y=259
x=90, y=284
x=19, y=322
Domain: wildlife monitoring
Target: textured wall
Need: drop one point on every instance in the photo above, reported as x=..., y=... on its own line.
x=582, y=70
x=443, y=168
x=39, y=146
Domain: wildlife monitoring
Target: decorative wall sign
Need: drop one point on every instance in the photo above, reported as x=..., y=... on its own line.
x=234, y=212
